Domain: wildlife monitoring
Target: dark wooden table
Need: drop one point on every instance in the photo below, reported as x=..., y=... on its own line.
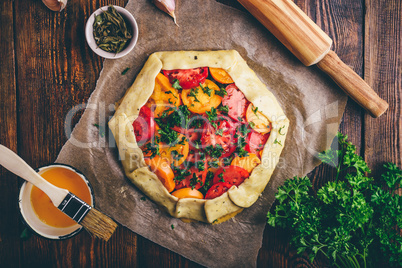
x=46, y=68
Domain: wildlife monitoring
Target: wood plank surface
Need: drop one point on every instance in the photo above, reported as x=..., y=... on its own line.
x=383, y=71
x=56, y=70
x=343, y=22
x=46, y=68
x=10, y=224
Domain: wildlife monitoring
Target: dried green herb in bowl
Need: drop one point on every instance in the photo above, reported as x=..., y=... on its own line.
x=111, y=32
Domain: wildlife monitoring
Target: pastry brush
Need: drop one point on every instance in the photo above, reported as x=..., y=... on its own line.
x=96, y=223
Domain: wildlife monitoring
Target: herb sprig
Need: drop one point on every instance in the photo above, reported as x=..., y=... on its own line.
x=222, y=92
x=353, y=221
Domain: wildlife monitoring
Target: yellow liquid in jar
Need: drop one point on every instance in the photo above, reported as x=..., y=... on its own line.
x=43, y=206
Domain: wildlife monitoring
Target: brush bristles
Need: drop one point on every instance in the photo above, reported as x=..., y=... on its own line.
x=98, y=224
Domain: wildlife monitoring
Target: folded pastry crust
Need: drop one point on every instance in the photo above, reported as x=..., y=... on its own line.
x=237, y=198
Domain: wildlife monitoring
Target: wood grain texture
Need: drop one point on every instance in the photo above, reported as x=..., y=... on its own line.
x=47, y=68
x=56, y=70
x=383, y=71
x=290, y=25
x=343, y=21
x=10, y=226
x=352, y=84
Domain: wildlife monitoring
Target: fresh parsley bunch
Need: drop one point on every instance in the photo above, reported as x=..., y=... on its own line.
x=355, y=221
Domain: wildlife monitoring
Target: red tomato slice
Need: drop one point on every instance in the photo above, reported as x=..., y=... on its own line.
x=144, y=126
x=236, y=101
x=194, y=172
x=223, y=135
x=256, y=142
x=217, y=190
x=188, y=78
x=233, y=175
x=194, y=136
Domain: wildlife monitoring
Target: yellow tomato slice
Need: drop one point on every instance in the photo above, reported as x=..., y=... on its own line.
x=151, y=146
x=188, y=193
x=247, y=162
x=257, y=120
x=201, y=99
x=220, y=75
x=164, y=97
x=160, y=166
x=176, y=153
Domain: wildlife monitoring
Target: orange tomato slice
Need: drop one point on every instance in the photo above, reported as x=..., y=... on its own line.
x=188, y=193
x=201, y=99
x=160, y=166
x=164, y=97
x=220, y=75
x=176, y=153
x=247, y=162
x=257, y=120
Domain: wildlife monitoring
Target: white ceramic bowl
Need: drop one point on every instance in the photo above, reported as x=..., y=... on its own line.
x=128, y=17
x=32, y=220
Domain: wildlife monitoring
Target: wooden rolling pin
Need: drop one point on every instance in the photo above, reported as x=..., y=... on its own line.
x=311, y=45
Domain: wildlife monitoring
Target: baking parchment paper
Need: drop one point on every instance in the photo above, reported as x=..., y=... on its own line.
x=312, y=102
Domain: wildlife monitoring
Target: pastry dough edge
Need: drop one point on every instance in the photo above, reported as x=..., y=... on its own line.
x=142, y=88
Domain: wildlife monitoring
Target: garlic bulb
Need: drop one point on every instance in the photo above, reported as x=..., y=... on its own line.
x=55, y=5
x=167, y=6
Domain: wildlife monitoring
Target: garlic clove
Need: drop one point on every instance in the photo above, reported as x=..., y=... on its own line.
x=167, y=6
x=55, y=5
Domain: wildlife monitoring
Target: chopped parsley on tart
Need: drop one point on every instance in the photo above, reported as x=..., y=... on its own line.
x=199, y=133
x=184, y=112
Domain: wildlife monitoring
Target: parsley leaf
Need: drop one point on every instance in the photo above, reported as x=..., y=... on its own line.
x=170, y=92
x=193, y=93
x=176, y=84
x=353, y=221
x=214, y=163
x=206, y=90
x=200, y=165
x=179, y=117
x=212, y=114
x=224, y=109
x=221, y=92
x=151, y=149
x=26, y=234
x=255, y=110
x=243, y=129
x=208, y=182
x=216, y=151
x=193, y=181
x=125, y=71
x=176, y=155
x=101, y=130
x=167, y=135
x=219, y=132
x=277, y=142
x=280, y=130
x=240, y=147
x=197, y=122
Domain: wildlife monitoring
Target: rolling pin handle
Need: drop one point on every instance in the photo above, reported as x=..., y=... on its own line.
x=353, y=84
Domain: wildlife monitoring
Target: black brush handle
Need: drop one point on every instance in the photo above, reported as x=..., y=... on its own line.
x=74, y=207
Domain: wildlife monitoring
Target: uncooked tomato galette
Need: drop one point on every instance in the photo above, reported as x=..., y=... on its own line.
x=199, y=133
